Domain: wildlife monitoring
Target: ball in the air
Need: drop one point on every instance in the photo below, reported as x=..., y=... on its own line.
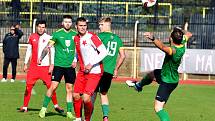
x=148, y=3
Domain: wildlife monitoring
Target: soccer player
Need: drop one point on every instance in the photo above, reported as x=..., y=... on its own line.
x=168, y=76
x=64, y=64
x=36, y=43
x=113, y=44
x=90, y=52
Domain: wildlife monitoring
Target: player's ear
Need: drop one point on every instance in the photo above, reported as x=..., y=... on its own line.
x=76, y=27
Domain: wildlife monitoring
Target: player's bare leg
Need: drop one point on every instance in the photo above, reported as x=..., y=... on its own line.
x=69, y=100
x=105, y=105
x=47, y=98
x=54, y=100
x=162, y=114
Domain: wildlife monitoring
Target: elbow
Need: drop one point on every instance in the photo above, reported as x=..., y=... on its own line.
x=123, y=57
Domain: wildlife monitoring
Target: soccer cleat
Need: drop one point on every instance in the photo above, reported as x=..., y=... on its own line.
x=12, y=80
x=42, y=112
x=69, y=115
x=22, y=109
x=4, y=80
x=105, y=118
x=77, y=119
x=130, y=83
x=59, y=110
x=134, y=84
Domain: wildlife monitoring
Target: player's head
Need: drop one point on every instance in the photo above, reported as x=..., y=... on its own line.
x=41, y=27
x=12, y=29
x=81, y=25
x=67, y=22
x=177, y=35
x=105, y=24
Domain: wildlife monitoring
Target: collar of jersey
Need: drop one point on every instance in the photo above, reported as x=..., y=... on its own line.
x=179, y=46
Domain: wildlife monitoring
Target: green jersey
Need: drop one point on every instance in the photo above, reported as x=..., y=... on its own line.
x=112, y=43
x=169, y=72
x=64, y=47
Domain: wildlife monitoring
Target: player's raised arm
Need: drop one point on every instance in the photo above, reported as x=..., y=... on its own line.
x=158, y=43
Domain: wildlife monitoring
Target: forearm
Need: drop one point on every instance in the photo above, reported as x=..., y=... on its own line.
x=159, y=44
x=120, y=60
x=52, y=53
x=46, y=50
x=102, y=53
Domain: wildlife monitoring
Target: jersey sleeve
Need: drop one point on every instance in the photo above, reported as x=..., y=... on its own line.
x=119, y=40
x=99, y=46
x=28, y=53
x=96, y=42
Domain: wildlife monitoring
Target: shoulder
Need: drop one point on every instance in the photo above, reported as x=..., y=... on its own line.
x=73, y=32
x=91, y=33
x=59, y=30
x=33, y=35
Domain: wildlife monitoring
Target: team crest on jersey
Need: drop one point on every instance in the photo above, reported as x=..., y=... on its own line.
x=44, y=40
x=84, y=42
x=111, y=37
x=67, y=43
x=34, y=40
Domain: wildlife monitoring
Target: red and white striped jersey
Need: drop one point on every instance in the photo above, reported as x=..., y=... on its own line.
x=90, y=50
x=36, y=44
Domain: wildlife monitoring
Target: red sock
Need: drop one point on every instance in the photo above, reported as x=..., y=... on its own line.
x=78, y=107
x=88, y=109
x=27, y=95
x=54, y=96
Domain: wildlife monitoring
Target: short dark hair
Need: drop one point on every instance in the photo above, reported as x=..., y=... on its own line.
x=177, y=35
x=67, y=16
x=105, y=19
x=80, y=19
x=41, y=22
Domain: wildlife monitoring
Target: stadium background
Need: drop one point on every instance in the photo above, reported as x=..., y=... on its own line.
x=200, y=15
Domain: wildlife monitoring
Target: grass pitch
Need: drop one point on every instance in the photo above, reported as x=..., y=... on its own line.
x=187, y=103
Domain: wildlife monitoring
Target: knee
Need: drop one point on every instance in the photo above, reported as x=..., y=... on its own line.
x=76, y=96
x=68, y=88
x=157, y=108
x=103, y=93
x=86, y=98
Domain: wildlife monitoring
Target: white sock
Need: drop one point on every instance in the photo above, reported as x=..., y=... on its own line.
x=56, y=105
x=25, y=108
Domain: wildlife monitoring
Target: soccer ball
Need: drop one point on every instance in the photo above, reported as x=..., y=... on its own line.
x=148, y=3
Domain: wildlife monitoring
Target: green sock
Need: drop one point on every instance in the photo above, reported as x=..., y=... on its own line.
x=163, y=115
x=69, y=106
x=145, y=81
x=105, y=109
x=46, y=101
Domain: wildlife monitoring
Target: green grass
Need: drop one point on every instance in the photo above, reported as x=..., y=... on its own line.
x=187, y=103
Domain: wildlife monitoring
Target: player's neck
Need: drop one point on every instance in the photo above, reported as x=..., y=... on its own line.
x=67, y=30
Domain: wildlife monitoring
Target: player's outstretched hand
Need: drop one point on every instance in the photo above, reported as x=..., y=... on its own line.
x=148, y=35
